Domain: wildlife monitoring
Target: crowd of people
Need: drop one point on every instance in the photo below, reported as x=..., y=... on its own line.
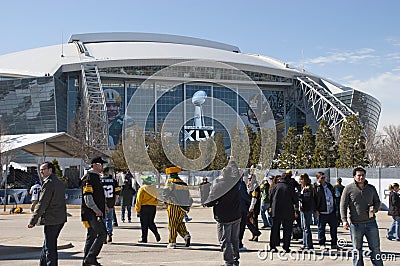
x=237, y=199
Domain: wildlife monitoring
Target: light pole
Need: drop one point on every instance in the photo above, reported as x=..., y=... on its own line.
x=382, y=137
x=381, y=162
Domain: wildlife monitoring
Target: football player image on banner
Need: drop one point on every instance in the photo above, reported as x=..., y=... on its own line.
x=114, y=116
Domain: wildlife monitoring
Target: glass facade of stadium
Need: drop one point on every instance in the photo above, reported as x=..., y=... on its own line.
x=50, y=103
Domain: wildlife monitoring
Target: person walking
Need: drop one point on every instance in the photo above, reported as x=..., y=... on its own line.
x=307, y=207
x=297, y=188
x=394, y=211
x=283, y=203
x=253, y=189
x=146, y=207
x=265, y=203
x=176, y=195
x=244, y=200
x=34, y=191
x=111, y=191
x=92, y=211
x=338, y=189
x=363, y=202
x=204, y=188
x=51, y=210
x=126, y=195
x=325, y=209
x=224, y=198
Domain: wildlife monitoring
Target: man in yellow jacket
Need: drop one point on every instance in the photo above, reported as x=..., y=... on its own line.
x=146, y=207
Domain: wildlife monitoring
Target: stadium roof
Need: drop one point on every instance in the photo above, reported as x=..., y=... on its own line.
x=149, y=37
x=120, y=47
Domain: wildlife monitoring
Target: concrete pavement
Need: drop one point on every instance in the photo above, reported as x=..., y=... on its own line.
x=21, y=246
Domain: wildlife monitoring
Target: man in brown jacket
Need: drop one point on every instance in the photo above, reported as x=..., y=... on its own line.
x=52, y=212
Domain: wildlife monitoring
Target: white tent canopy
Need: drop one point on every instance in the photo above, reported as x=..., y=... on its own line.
x=46, y=144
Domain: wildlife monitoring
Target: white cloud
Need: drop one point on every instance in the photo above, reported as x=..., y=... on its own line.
x=343, y=56
x=393, y=41
x=386, y=88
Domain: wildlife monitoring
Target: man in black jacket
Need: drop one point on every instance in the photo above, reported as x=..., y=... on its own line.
x=92, y=211
x=52, y=212
x=326, y=211
x=224, y=198
x=283, y=202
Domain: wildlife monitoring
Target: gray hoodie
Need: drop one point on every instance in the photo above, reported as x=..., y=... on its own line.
x=358, y=201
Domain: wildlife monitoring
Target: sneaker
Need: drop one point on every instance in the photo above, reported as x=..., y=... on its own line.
x=158, y=237
x=188, y=219
x=115, y=224
x=243, y=249
x=129, y=221
x=187, y=240
x=171, y=246
x=389, y=238
x=109, y=239
x=142, y=241
x=105, y=241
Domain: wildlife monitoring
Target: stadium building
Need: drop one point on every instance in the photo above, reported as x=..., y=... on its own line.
x=45, y=89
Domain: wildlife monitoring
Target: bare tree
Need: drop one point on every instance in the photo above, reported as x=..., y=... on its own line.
x=375, y=149
x=6, y=156
x=391, y=146
x=6, y=152
x=78, y=130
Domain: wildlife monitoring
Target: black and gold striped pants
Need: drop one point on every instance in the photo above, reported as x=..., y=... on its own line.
x=175, y=222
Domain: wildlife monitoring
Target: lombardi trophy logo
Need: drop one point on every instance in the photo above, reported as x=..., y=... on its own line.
x=198, y=131
x=198, y=99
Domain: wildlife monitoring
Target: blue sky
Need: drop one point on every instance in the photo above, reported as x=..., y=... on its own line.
x=355, y=43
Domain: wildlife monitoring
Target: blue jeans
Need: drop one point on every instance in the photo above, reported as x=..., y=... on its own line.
x=371, y=232
x=393, y=231
x=49, y=255
x=115, y=221
x=108, y=220
x=305, y=225
x=128, y=208
x=228, y=236
x=330, y=219
x=315, y=219
x=265, y=215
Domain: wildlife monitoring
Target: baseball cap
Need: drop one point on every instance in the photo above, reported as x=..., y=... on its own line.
x=98, y=159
